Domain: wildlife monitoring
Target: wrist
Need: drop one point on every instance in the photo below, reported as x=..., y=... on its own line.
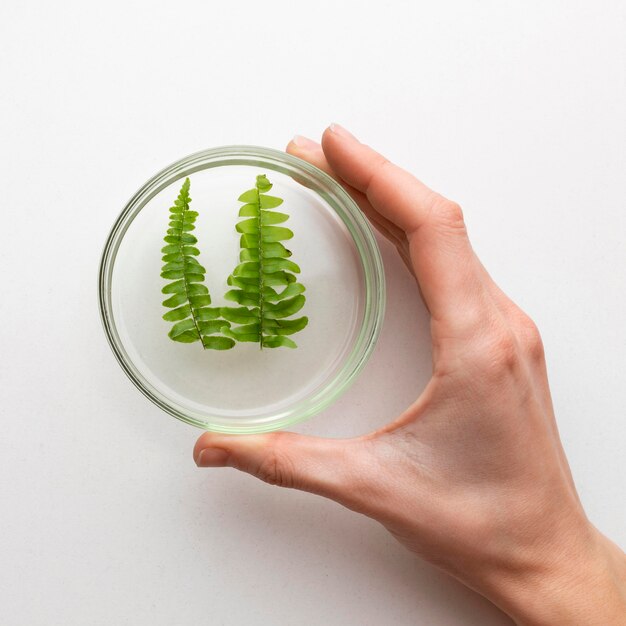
x=579, y=581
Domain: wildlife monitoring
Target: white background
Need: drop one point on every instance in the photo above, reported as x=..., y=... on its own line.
x=514, y=109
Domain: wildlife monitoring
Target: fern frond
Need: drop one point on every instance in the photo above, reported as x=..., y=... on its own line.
x=189, y=300
x=264, y=283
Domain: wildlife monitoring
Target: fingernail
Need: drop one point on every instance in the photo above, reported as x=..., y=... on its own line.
x=304, y=142
x=212, y=457
x=341, y=131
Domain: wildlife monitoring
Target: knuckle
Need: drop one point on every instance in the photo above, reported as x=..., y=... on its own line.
x=497, y=357
x=379, y=171
x=529, y=338
x=446, y=213
x=275, y=466
x=275, y=469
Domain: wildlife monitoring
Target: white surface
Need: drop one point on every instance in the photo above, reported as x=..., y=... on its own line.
x=515, y=109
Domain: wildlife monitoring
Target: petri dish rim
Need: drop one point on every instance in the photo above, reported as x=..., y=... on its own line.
x=337, y=198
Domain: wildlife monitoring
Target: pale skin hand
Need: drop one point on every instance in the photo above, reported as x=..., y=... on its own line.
x=472, y=476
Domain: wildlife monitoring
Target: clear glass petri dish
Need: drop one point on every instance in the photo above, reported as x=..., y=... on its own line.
x=244, y=390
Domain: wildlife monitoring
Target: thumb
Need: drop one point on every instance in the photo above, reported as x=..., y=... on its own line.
x=323, y=466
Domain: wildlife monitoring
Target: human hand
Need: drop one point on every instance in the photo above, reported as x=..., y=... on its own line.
x=472, y=476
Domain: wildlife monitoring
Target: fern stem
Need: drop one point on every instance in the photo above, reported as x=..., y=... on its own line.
x=261, y=312
x=182, y=252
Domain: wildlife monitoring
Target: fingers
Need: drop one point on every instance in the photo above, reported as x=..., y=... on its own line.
x=311, y=151
x=395, y=193
x=321, y=466
x=441, y=254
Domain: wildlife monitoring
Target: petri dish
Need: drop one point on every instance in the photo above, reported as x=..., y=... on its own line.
x=246, y=389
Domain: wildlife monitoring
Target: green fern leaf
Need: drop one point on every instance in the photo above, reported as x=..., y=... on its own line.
x=189, y=300
x=264, y=282
x=278, y=341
